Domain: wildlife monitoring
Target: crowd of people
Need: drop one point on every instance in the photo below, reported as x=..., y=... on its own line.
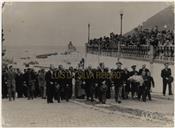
x=162, y=41
x=92, y=84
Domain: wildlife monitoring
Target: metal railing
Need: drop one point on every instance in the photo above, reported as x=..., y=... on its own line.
x=160, y=54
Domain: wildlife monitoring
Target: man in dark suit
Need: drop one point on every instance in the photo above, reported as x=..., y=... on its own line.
x=60, y=83
x=68, y=84
x=167, y=79
x=96, y=90
x=56, y=91
x=108, y=83
x=118, y=80
x=24, y=88
x=150, y=83
x=101, y=80
x=126, y=85
x=19, y=83
x=90, y=85
x=4, y=82
x=50, y=84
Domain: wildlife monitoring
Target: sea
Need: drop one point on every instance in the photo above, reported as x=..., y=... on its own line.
x=25, y=54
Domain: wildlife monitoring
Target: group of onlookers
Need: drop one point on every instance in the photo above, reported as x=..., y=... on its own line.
x=162, y=41
x=90, y=83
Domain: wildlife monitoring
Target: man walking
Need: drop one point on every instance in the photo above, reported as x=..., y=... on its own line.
x=50, y=84
x=167, y=79
x=19, y=83
x=118, y=81
x=11, y=83
x=102, y=87
x=30, y=79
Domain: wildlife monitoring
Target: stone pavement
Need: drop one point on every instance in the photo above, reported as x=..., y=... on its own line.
x=28, y=113
x=160, y=108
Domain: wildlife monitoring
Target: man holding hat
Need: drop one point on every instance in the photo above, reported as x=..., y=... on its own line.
x=167, y=79
x=117, y=77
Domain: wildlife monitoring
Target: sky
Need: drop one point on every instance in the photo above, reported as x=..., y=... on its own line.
x=57, y=23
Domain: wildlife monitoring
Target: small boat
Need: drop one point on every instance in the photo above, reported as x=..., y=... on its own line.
x=25, y=58
x=44, y=56
x=41, y=56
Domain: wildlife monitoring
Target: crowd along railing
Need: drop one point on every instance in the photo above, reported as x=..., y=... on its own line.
x=160, y=53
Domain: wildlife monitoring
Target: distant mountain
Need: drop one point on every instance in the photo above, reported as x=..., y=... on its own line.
x=162, y=19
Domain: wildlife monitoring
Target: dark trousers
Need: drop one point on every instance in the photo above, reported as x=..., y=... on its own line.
x=125, y=91
x=50, y=93
x=58, y=95
x=102, y=96
x=134, y=89
x=96, y=92
x=108, y=92
x=89, y=92
x=147, y=92
x=165, y=83
x=4, y=91
x=70, y=91
x=20, y=91
x=24, y=91
x=67, y=92
x=142, y=93
x=118, y=92
x=30, y=92
x=76, y=90
x=62, y=94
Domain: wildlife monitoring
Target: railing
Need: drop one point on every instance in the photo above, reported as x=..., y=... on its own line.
x=160, y=54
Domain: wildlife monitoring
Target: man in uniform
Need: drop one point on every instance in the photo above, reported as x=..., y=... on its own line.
x=167, y=79
x=117, y=78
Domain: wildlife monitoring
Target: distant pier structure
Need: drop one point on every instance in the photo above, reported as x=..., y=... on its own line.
x=71, y=47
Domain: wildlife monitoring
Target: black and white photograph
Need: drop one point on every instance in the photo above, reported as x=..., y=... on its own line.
x=87, y=64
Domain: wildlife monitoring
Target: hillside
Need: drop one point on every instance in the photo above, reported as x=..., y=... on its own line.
x=161, y=19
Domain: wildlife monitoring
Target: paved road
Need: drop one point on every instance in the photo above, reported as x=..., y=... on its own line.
x=37, y=112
